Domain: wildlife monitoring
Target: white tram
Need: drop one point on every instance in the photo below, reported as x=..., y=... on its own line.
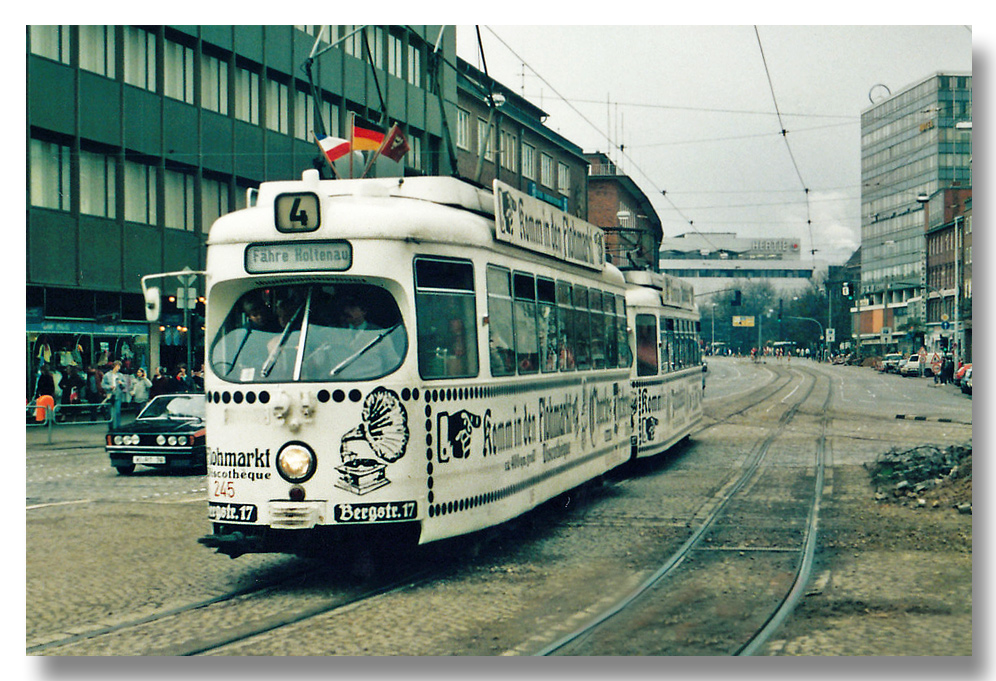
x=668, y=378
x=413, y=359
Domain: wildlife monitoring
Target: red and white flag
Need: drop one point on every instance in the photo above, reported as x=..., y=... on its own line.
x=333, y=147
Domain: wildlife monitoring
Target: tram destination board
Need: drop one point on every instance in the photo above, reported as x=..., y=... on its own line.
x=299, y=256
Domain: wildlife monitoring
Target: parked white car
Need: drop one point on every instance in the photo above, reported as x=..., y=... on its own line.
x=913, y=366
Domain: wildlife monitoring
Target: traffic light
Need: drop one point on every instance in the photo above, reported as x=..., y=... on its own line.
x=846, y=290
x=736, y=297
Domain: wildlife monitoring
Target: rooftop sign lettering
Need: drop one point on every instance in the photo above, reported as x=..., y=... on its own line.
x=529, y=223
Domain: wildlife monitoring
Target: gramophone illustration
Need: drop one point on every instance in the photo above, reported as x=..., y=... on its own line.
x=380, y=438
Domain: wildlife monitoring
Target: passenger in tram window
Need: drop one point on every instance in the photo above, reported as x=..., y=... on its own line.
x=456, y=357
x=368, y=353
x=258, y=315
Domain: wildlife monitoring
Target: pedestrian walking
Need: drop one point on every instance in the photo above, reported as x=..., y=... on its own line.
x=114, y=387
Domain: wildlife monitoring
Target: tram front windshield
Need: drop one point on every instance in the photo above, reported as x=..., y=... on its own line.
x=313, y=332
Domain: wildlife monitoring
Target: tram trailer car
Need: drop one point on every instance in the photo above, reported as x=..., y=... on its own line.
x=668, y=375
x=405, y=360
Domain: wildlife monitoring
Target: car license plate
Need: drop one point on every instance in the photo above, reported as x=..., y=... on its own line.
x=148, y=459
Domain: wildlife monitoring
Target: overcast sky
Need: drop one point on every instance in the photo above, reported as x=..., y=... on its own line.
x=695, y=108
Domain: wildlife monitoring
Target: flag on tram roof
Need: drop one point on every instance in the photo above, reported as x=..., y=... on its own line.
x=366, y=137
x=333, y=147
x=395, y=144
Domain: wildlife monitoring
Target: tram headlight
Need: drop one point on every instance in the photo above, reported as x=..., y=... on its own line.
x=296, y=462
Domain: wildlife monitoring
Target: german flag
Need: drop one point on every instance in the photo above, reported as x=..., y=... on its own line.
x=366, y=137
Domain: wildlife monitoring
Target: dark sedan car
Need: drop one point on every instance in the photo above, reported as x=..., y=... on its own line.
x=168, y=433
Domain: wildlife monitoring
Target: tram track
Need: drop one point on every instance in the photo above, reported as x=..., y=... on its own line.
x=592, y=639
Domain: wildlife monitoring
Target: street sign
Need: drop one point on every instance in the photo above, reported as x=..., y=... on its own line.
x=743, y=321
x=186, y=298
x=831, y=335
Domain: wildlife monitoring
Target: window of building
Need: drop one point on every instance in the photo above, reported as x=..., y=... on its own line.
x=97, y=49
x=528, y=161
x=305, y=124
x=246, y=95
x=50, y=41
x=214, y=84
x=447, y=332
x=486, y=139
x=140, y=58
x=395, y=56
x=546, y=170
x=415, y=65
x=563, y=179
x=178, y=71
x=49, y=177
x=463, y=129
x=140, y=192
x=277, y=117
x=352, y=45
x=214, y=201
x=98, y=184
x=179, y=200
x=414, y=156
x=508, y=150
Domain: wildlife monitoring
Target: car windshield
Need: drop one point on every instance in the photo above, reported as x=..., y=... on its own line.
x=174, y=406
x=316, y=332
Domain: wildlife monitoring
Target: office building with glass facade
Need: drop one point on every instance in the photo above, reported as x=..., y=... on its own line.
x=139, y=137
x=911, y=146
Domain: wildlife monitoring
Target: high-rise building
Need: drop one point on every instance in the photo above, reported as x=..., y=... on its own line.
x=911, y=147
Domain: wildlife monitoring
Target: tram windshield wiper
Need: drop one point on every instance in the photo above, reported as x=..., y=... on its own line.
x=271, y=359
x=353, y=357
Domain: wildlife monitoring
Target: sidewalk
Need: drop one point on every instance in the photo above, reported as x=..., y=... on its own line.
x=68, y=434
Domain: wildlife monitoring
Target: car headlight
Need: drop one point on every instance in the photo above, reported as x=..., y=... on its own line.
x=171, y=440
x=117, y=439
x=161, y=440
x=131, y=439
x=296, y=462
x=181, y=440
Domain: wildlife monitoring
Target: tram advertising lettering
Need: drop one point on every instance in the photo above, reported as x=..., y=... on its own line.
x=529, y=223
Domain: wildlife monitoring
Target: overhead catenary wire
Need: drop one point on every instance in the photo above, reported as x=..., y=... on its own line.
x=604, y=134
x=784, y=134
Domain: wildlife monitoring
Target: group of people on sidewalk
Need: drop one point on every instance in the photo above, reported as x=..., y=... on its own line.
x=111, y=385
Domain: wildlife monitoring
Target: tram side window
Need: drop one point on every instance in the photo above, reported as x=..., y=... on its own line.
x=698, y=342
x=526, y=339
x=622, y=338
x=668, y=350
x=565, y=341
x=501, y=328
x=597, y=318
x=646, y=345
x=609, y=332
x=445, y=312
x=547, y=327
x=581, y=329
